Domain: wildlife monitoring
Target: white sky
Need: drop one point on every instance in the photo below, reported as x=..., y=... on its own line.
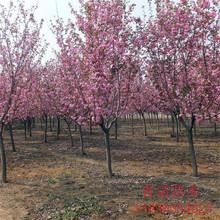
x=47, y=10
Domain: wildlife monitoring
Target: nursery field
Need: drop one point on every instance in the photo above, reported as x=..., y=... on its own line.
x=110, y=111
x=53, y=181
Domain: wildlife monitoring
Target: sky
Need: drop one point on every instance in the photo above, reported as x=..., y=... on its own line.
x=47, y=10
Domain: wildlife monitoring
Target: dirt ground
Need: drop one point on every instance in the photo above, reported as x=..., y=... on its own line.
x=52, y=180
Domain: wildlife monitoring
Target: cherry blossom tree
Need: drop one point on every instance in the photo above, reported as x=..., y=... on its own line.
x=101, y=62
x=182, y=47
x=20, y=44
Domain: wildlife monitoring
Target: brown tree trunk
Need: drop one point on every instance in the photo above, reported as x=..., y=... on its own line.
x=157, y=121
x=51, y=129
x=33, y=122
x=3, y=157
x=116, y=129
x=11, y=136
x=45, y=130
x=177, y=128
x=191, y=144
x=81, y=140
x=25, y=128
x=108, y=154
x=68, y=122
x=108, y=149
x=29, y=126
x=145, y=126
x=192, y=152
x=58, y=128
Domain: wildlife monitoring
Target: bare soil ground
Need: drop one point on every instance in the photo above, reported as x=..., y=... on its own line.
x=52, y=180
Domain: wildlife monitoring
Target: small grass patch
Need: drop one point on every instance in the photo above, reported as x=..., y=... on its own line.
x=52, y=181
x=44, y=205
x=80, y=209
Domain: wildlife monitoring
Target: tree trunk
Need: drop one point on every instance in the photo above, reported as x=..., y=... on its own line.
x=191, y=144
x=34, y=125
x=173, y=132
x=58, y=128
x=157, y=121
x=106, y=131
x=29, y=126
x=90, y=130
x=145, y=127
x=177, y=128
x=69, y=130
x=12, y=137
x=192, y=152
x=3, y=157
x=116, y=129
x=108, y=154
x=45, y=131
x=81, y=140
x=51, y=129
x=25, y=129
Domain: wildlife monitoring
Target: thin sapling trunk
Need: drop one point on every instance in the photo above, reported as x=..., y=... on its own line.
x=68, y=122
x=108, y=149
x=145, y=126
x=81, y=140
x=3, y=157
x=11, y=136
x=191, y=144
x=116, y=129
x=58, y=128
x=45, y=130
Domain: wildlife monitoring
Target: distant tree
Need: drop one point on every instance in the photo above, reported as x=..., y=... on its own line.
x=182, y=47
x=20, y=50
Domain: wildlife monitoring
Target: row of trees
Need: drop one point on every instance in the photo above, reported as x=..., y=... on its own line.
x=110, y=64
